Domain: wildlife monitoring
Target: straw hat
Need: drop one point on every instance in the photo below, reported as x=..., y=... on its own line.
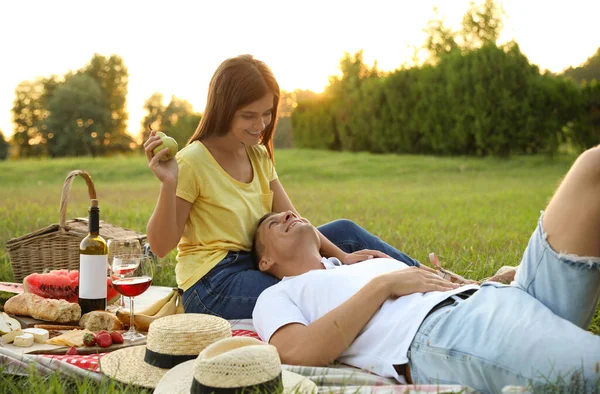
x=234, y=365
x=171, y=340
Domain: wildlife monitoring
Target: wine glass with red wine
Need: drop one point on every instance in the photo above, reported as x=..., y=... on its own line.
x=131, y=277
x=126, y=251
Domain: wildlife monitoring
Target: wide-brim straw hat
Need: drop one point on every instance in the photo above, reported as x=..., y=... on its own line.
x=171, y=340
x=234, y=365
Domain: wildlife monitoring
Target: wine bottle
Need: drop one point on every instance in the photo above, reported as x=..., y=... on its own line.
x=93, y=262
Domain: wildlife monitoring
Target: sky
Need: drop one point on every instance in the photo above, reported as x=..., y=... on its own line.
x=173, y=47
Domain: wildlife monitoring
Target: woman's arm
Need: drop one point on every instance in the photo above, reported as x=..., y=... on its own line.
x=167, y=222
x=164, y=228
x=281, y=202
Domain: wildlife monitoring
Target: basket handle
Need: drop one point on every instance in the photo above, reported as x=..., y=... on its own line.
x=67, y=188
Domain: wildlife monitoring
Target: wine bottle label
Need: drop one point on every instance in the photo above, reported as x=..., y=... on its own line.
x=92, y=276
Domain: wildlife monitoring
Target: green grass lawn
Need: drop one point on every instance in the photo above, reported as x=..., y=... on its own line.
x=476, y=214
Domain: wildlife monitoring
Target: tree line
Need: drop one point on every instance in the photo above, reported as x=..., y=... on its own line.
x=471, y=97
x=79, y=114
x=83, y=114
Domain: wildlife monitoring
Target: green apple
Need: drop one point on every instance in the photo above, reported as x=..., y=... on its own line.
x=167, y=142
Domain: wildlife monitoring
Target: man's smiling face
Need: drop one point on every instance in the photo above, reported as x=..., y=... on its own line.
x=283, y=235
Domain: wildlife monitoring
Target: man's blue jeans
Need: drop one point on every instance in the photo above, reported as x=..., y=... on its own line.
x=231, y=288
x=533, y=331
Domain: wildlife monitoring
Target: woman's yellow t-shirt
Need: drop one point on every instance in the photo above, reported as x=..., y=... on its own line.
x=224, y=211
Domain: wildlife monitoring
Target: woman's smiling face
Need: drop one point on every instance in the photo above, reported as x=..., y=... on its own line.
x=250, y=121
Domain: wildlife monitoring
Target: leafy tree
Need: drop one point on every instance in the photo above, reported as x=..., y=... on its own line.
x=28, y=113
x=31, y=109
x=588, y=71
x=79, y=118
x=485, y=101
x=585, y=130
x=177, y=119
x=474, y=98
x=3, y=147
x=183, y=129
x=288, y=101
x=482, y=24
x=112, y=76
x=345, y=96
x=176, y=109
x=354, y=71
x=440, y=38
x=314, y=125
x=154, y=109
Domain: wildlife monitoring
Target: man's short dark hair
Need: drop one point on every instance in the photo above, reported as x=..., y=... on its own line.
x=258, y=248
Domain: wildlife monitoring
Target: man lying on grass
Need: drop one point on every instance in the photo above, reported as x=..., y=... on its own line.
x=396, y=321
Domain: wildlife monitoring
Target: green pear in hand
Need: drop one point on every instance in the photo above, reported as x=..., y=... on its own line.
x=167, y=142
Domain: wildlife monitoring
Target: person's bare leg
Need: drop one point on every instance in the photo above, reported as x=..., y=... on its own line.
x=572, y=218
x=561, y=265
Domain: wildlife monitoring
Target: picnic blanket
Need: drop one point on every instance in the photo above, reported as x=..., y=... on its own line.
x=334, y=379
x=90, y=361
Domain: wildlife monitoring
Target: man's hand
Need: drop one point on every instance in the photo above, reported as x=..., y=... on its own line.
x=414, y=280
x=447, y=274
x=362, y=255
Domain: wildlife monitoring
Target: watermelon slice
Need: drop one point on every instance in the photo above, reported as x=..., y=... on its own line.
x=61, y=284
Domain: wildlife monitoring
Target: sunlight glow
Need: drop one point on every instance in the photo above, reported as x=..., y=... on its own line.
x=174, y=47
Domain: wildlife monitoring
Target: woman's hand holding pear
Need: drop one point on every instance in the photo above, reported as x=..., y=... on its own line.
x=161, y=161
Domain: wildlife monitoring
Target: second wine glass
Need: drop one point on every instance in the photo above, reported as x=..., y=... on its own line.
x=123, y=251
x=130, y=279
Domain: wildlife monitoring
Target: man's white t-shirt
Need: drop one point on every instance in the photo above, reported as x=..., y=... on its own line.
x=382, y=343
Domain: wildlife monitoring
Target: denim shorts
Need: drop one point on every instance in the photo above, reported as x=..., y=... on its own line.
x=530, y=332
x=230, y=290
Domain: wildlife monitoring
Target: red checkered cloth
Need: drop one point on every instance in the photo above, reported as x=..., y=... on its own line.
x=87, y=361
x=90, y=361
x=245, y=333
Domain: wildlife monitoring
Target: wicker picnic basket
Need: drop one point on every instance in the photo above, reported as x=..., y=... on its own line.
x=57, y=246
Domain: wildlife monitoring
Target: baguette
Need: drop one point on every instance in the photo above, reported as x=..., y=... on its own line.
x=47, y=309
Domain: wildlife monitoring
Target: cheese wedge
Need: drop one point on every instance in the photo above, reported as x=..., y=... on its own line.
x=69, y=338
x=39, y=334
x=25, y=340
x=10, y=337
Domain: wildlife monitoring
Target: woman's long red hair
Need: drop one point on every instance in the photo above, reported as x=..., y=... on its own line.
x=237, y=82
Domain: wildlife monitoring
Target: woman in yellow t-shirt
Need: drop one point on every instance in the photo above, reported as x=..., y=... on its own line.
x=213, y=195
